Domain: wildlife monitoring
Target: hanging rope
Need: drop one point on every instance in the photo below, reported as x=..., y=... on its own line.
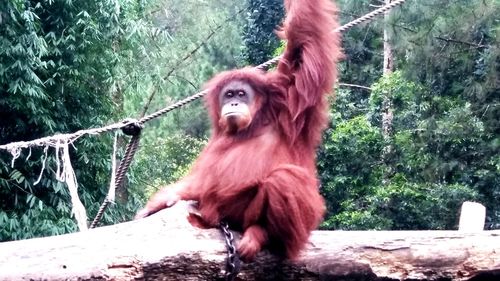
x=132, y=146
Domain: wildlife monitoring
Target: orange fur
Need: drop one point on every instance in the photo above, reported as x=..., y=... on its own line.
x=262, y=179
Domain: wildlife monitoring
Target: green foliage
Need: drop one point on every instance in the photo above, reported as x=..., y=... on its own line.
x=362, y=48
x=445, y=119
x=404, y=96
x=52, y=81
x=259, y=39
x=348, y=162
x=173, y=52
x=173, y=156
x=403, y=205
x=455, y=56
x=351, y=175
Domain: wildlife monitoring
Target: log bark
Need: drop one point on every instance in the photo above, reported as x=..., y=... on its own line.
x=166, y=247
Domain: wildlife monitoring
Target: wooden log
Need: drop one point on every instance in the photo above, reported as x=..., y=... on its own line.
x=166, y=247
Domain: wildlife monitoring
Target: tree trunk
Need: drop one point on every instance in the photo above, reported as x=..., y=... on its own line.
x=388, y=52
x=166, y=247
x=387, y=110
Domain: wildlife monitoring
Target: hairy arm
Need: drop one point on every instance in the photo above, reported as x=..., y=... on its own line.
x=168, y=196
x=309, y=60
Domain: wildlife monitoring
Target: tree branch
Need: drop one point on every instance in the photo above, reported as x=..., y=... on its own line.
x=449, y=40
x=354, y=86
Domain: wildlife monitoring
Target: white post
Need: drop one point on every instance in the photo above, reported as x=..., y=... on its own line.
x=472, y=217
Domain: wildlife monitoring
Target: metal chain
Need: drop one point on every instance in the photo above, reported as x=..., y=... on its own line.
x=233, y=263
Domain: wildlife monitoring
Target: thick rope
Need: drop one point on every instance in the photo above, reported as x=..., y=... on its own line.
x=120, y=176
x=370, y=16
x=172, y=107
x=53, y=140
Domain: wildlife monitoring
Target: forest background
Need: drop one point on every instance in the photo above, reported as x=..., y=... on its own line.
x=415, y=125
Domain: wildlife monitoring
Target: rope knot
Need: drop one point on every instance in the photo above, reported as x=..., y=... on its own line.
x=132, y=127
